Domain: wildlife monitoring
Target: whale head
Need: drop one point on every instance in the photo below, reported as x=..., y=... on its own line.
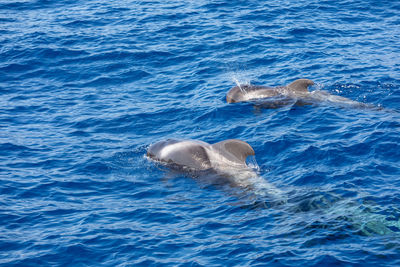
x=190, y=154
x=237, y=93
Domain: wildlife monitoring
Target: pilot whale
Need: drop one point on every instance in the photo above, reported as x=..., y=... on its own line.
x=294, y=93
x=226, y=159
x=242, y=93
x=197, y=155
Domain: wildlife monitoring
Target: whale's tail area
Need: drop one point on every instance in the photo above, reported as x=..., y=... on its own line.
x=370, y=221
x=332, y=210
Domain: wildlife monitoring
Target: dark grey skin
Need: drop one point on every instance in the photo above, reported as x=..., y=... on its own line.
x=296, y=93
x=198, y=155
x=298, y=88
x=227, y=159
x=223, y=162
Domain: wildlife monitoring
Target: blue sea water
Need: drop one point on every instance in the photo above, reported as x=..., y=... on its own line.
x=87, y=86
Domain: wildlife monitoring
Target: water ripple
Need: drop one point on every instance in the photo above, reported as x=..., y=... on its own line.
x=87, y=86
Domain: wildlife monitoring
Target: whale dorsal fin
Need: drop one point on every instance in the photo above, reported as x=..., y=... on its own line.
x=237, y=148
x=300, y=85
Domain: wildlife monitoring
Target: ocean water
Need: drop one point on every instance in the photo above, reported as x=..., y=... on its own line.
x=87, y=86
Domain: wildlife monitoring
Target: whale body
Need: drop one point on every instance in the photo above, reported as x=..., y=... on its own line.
x=226, y=159
x=199, y=155
x=294, y=93
x=242, y=93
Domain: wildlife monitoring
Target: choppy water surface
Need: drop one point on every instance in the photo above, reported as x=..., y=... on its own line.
x=87, y=86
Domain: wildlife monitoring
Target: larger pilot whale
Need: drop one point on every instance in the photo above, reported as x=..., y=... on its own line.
x=199, y=155
x=296, y=92
x=226, y=159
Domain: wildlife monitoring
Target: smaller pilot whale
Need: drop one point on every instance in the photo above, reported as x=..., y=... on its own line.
x=242, y=93
x=226, y=159
x=294, y=93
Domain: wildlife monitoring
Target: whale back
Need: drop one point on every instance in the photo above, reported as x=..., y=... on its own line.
x=182, y=153
x=234, y=149
x=246, y=92
x=300, y=85
x=200, y=155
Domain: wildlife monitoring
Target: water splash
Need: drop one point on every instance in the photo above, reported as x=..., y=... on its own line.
x=240, y=79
